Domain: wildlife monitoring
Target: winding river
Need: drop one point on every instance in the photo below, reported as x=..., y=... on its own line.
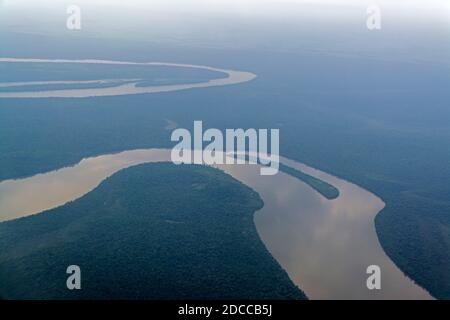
x=324, y=245
x=232, y=77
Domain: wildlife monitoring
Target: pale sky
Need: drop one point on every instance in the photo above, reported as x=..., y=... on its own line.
x=237, y=4
x=176, y=12
x=247, y=7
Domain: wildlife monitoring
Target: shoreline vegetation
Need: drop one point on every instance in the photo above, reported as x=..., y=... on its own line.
x=226, y=77
x=181, y=232
x=412, y=229
x=324, y=188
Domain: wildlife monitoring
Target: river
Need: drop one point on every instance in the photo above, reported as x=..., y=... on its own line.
x=324, y=245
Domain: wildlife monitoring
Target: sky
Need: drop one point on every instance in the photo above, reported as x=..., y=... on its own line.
x=242, y=23
x=431, y=10
x=240, y=5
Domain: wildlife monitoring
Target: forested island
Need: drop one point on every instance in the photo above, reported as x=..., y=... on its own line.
x=324, y=188
x=153, y=231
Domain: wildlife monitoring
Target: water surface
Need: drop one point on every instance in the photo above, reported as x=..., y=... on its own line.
x=324, y=245
x=232, y=77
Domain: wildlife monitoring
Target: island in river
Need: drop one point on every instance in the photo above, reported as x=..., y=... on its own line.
x=152, y=231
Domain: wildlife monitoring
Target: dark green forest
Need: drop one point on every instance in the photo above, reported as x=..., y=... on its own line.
x=324, y=188
x=153, y=231
x=380, y=123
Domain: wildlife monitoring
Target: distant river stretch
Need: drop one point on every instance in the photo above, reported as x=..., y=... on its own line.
x=233, y=77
